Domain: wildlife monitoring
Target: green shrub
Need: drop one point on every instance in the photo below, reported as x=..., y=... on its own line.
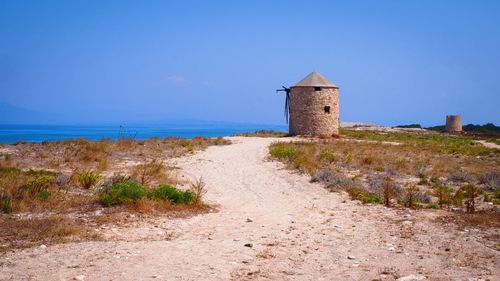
x=167, y=192
x=6, y=204
x=131, y=191
x=328, y=156
x=88, y=178
x=356, y=193
x=496, y=197
x=280, y=151
x=9, y=171
x=443, y=193
x=36, y=173
x=359, y=193
x=432, y=206
x=458, y=198
x=123, y=192
x=39, y=183
x=44, y=195
x=372, y=198
x=487, y=197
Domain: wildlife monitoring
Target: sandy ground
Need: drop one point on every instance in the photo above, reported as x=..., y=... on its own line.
x=272, y=224
x=488, y=144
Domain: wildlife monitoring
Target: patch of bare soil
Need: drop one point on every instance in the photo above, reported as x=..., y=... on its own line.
x=271, y=224
x=488, y=144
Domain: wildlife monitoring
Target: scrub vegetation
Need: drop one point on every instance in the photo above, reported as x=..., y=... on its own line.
x=46, y=188
x=264, y=134
x=407, y=169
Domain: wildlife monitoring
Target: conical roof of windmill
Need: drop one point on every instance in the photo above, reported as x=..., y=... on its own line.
x=314, y=79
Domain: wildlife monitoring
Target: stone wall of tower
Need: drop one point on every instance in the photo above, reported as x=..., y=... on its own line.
x=453, y=123
x=309, y=113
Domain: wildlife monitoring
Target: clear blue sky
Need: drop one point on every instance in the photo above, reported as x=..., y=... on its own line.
x=396, y=62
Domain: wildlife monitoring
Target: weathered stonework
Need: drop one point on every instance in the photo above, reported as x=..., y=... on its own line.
x=453, y=123
x=309, y=114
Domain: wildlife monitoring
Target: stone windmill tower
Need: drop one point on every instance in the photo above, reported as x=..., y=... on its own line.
x=453, y=123
x=313, y=105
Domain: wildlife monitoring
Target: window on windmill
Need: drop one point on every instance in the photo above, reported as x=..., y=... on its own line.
x=327, y=109
x=316, y=89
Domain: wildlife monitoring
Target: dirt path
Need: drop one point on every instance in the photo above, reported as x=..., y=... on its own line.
x=297, y=231
x=488, y=144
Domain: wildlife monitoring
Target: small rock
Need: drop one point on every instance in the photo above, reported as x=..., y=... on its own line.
x=249, y=245
x=391, y=249
x=407, y=222
x=249, y=220
x=412, y=277
x=351, y=257
x=337, y=226
x=43, y=246
x=155, y=276
x=79, y=277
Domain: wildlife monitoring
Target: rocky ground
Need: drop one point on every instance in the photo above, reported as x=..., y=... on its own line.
x=270, y=224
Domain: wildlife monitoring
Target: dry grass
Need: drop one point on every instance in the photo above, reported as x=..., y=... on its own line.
x=148, y=172
x=42, y=181
x=426, y=140
x=477, y=220
x=414, y=161
x=264, y=134
x=152, y=207
x=36, y=191
x=28, y=232
x=405, y=159
x=49, y=186
x=199, y=189
x=487, y=222
x=104, y=155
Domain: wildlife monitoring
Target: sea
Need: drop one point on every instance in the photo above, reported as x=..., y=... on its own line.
x=38, y=133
